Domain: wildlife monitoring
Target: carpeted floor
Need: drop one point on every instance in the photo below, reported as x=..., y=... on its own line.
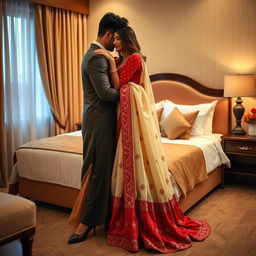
x=230, y=211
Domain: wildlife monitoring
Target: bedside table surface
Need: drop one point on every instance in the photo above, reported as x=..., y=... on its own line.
x=240, y=138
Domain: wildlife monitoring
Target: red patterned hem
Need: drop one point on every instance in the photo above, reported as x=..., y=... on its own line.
x=203, y=232
x=131, y=245
x=159, y=226
x=163, y=248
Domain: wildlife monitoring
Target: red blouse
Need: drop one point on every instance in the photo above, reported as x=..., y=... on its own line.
x=131, y=70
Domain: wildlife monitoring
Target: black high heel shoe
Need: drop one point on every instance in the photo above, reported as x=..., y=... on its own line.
x=75, y=238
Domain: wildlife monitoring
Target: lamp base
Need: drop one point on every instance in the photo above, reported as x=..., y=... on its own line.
x=238, y=131
x=238, y=111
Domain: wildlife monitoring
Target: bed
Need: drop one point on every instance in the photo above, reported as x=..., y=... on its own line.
x=38, y=166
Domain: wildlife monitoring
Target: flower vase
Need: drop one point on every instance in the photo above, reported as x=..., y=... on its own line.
x=252, y=129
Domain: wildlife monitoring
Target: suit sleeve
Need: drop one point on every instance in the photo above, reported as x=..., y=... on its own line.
x=98, y=73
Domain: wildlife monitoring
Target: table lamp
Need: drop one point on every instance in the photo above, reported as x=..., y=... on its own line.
x=239, y=86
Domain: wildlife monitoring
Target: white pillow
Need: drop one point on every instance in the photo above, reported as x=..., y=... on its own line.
x=203, y=122
x=159, y=104
x=208, y=124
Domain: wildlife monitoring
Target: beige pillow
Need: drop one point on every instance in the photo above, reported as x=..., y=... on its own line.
x=175, y=124
x=190, y=117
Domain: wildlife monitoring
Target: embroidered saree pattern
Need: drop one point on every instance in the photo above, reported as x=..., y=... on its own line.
x=145, y=212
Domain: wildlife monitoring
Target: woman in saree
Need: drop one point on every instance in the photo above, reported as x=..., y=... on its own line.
x=145, y=211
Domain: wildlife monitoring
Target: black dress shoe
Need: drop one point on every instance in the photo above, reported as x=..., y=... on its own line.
x=75, y=238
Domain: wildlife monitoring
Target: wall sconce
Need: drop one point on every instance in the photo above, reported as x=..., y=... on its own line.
x=239, y=86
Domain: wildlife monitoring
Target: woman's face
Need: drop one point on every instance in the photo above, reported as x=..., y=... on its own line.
x=118, y=43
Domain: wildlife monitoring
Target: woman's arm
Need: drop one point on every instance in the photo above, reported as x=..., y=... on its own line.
x=113, y=68
x=98, y=72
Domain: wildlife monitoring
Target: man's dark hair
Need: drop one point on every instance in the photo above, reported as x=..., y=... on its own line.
x=111, y=21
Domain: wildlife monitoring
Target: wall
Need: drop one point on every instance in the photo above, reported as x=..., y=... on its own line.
x=203, y=39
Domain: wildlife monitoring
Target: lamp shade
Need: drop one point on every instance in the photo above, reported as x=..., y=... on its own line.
x=239, y=86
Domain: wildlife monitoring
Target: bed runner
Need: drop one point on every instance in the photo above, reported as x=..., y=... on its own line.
x=65, y=143
x=187, y=165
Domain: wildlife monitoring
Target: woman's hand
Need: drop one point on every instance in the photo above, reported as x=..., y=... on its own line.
x=105, y=53
x=113, y=69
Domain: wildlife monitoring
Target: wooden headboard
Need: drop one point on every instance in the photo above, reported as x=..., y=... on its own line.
x=183, y=90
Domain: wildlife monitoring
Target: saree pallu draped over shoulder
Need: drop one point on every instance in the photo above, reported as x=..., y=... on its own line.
x=145, y=212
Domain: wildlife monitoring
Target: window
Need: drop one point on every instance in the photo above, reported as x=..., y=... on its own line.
x=27, y=112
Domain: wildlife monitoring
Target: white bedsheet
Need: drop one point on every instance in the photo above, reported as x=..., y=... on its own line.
x=65, y=168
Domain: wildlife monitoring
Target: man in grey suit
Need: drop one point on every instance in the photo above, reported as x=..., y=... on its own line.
x=98, y=127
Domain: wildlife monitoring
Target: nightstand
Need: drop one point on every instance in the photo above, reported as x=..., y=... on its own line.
x=241, y=150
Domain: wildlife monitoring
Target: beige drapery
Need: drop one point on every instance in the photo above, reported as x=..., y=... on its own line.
x=61, y=43
x=3, y=153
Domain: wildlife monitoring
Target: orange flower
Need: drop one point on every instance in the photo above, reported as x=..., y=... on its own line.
x=250, y=118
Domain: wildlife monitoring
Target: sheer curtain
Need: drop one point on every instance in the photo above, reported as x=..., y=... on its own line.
x=3, y=153
x=27, y=112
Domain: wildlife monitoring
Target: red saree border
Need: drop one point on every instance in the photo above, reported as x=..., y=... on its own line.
x=127, y=136
x=131, y=245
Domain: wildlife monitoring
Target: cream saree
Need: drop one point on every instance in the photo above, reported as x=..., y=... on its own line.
x=145, y=212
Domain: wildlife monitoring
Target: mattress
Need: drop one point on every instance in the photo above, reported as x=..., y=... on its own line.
x=65, y=168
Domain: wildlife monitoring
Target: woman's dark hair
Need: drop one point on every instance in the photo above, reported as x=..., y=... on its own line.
x=111, y=21
x=129, y=41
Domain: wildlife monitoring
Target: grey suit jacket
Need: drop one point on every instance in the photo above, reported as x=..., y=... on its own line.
x=99, y=130
x=99, y=98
